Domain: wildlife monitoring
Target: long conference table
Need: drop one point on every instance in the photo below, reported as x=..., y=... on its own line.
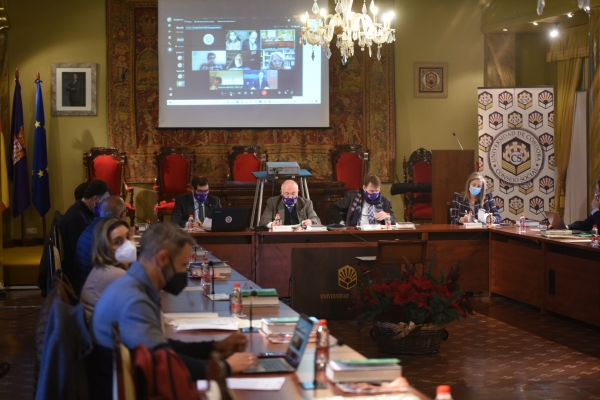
x=553, y=274
x=192, y=300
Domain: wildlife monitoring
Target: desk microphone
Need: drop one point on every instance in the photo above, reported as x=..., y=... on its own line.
x=456, y=137
x=250, y=329
x=212, y=269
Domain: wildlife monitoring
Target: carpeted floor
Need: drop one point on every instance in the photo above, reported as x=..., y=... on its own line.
x=506, y=351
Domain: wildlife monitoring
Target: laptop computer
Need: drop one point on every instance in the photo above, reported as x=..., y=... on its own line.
x=229, y=219
x=293, y=354
x=556, y=221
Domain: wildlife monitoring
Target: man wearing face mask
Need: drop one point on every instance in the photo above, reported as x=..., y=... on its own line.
x=133, y=301
x=367, y=205
x=292, y=210
x=199, y=204
x=111, y=207
x=76, y=219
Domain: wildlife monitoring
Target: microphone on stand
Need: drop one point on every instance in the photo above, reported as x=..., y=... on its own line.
x=212, y=269
x=250, y=329
x=456, y=137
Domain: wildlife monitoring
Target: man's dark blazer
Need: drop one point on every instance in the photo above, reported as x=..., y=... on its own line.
x=184, y=206
x=339, y=210
x=587, y=224
x=264, y=84
x=246, y=44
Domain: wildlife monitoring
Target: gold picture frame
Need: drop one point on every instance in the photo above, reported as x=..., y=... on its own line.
x=431, y=80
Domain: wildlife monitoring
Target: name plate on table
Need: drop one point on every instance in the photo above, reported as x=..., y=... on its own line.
x=371, y=227
x=472, y=225
x=282, y=228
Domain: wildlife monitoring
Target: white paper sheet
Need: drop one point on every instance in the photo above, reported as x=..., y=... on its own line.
x=218, y=297
x=256, y=383
x=220, y=324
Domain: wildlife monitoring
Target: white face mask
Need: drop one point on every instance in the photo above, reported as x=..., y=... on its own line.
x=126, y=253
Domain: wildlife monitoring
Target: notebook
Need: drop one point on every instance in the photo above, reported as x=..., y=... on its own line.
x=229, y=219
x=293, y=354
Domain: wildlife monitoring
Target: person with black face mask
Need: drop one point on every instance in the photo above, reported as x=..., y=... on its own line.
x=292, y=210
x=199, y=204
x=133, y=301
x=367, y=205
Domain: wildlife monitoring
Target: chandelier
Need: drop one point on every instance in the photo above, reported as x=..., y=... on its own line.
x=348, y=26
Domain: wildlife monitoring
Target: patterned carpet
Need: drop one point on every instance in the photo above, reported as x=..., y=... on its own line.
x=506, y=351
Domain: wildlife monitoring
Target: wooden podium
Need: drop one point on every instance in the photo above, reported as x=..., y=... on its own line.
x=449, y=172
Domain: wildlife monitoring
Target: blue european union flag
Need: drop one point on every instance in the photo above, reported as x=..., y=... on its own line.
x=40, y=180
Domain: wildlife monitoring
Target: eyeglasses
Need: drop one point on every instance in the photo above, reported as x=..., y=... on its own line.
x=290, y=194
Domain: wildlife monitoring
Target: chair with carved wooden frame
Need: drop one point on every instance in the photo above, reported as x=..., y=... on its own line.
x=418, y=170
x=243, y=160
x=174, y=166
x=349, y=164
x=108, y=165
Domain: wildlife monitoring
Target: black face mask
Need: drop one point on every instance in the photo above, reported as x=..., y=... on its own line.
x=176, y=283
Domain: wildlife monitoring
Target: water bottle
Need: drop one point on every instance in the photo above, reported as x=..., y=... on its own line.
x=204, y=273
x=470, y=217
x=443, y=393
x=595, y=236
x=322, y=356
x=235, y=300
x=277, y=221
x=147, y=224
x=522, y=224
x=190, y=223
x=388, y=221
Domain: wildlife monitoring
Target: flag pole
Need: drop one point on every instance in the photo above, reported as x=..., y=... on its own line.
x=44, y=229
x=23, y=213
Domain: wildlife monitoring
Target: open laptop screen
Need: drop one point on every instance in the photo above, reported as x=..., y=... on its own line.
x=299, y=341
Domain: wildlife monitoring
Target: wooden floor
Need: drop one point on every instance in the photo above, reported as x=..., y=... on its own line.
x=506, y=351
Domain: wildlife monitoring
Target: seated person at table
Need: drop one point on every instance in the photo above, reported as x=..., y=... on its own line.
x=472, y=199
x=594, y=217
x=133, y=301
x=111, y=207
x=292, y=210
x=199, y=204
x=112, y=253
x=367, y=205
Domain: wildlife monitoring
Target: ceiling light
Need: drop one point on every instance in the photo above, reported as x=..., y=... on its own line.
x=535, y=23
x=505, y=30
x=554, y=32
x=570, y=15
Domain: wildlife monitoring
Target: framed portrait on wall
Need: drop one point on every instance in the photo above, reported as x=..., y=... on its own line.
x=74, y=89
x=431, y=80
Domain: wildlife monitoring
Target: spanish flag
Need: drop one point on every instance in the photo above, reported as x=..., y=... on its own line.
x=3, y=173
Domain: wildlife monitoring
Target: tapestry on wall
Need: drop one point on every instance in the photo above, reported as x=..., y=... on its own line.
x=361, y=108
x=516, y=149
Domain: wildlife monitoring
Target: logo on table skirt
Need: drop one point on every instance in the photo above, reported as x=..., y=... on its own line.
x=516, y=156
x=228, y=219
x=347, y=277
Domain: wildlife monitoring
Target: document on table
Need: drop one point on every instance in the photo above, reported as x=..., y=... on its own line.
x=218, y=297
x=200, y=321
x=249, y=383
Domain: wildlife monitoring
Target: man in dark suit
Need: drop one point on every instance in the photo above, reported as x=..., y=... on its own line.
x=260, y=83
x=292, y=210
x=198, y=204
x=594, y=217
x=251, y=43
x=73, y=88
x=366, y=205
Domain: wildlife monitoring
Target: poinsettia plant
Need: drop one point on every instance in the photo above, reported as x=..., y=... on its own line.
x=408, y=297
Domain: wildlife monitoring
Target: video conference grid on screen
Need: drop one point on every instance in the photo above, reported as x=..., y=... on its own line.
x=241, y=61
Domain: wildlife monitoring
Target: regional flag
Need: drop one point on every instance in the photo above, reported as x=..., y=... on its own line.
x=4, y=201
x=40, y=179
x=20, y=177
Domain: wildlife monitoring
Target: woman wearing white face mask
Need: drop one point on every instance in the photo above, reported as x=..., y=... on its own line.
x=112, y=252
x=472, y=199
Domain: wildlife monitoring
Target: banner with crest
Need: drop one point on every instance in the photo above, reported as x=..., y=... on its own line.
x=516, y=149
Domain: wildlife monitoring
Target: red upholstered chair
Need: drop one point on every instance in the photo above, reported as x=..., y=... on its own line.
x=108, y=165
x=174, y=166
x=349, y=165
x=418, y=170
x=243, y=161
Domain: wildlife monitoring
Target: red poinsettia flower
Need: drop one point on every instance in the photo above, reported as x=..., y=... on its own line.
x=404, y=294
x=422, y=284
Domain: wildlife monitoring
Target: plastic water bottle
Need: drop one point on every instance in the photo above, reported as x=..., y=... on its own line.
x=235, y=300
x=277, y=221
x=388, y=221
x=595, y=236
x=443, y=393
x=190, y=223
x=470, y=217
x=204, y=269
x=522, y=228
x=322, y=356
x=147, y=224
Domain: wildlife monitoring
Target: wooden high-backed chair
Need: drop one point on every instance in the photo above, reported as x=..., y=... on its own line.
x=349, y=164
x=418, y=170
x=174, y=166
x=108, y=165
x=243, y=161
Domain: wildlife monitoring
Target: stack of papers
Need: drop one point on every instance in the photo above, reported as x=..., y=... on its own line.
x=201, y=321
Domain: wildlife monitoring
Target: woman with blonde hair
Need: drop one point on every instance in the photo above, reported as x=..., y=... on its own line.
x=112, y=252
x=473, y=199
x=233, y=41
